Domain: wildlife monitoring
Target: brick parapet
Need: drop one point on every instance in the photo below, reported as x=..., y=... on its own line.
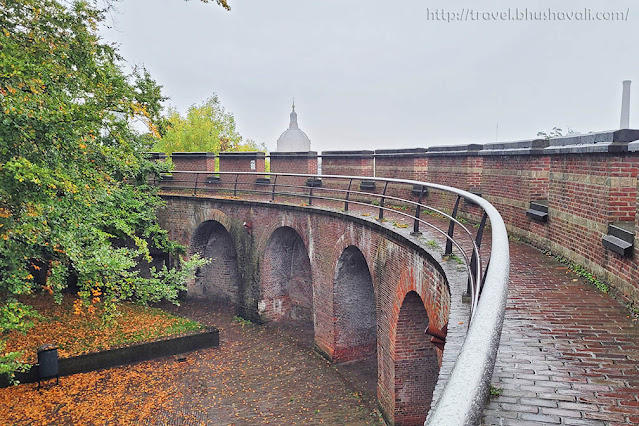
x=193, y=161
x=588, y=181
x=294, y=162
x=250, y=161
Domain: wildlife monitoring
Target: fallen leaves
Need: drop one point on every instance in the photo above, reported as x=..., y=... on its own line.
x=77, y=331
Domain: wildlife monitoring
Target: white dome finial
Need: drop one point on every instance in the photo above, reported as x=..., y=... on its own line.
x=293, y=139
x=293, y=124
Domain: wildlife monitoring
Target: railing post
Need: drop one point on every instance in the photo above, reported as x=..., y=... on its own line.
x=197, y=175
x=381, y=204
x=273, y=191
x=237, y=176
x=451, y=229
x=417, y=213
x=473, y=260
x=348, y=193
x=310, y=193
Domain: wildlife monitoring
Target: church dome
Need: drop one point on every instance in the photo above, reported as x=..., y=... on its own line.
x=293, y=139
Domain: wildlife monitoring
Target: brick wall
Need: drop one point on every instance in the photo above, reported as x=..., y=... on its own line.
x=589, y=181
x=409, y=164
x=294, y=162
x=355, y=316
x=191, y=162
x=241, y=162
x=219, y=280
x=346, y=163
x=416, y=363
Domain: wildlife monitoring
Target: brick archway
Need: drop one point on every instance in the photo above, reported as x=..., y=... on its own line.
x=355, y=310
x=220, y=279
x=286, y=278
x=416, y=363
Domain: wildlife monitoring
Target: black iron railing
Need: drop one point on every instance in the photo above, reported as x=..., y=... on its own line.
x=462, y=399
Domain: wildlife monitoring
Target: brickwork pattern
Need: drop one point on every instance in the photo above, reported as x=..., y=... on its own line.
x=416, y=363
x=286, y=280
x=355, y=310
x=218, y=280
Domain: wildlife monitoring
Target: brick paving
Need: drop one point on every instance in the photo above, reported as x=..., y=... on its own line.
x=268, y=375
x=568, y=352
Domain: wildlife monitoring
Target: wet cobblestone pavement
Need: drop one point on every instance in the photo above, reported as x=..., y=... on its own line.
x=568, y=352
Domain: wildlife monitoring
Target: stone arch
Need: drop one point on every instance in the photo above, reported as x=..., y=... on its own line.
x=355, y=307
x=286, y=278
x=220, y=279
x=416, y=363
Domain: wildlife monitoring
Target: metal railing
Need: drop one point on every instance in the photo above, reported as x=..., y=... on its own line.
x=462, y=399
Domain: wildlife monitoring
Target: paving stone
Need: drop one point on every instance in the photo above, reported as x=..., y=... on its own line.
x=541, y=418
x=582, y=345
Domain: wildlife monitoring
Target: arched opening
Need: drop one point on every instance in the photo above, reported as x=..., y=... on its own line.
x=355, y=325
x=219, y=280
x=355, y=312
x=416, y=363
x=287, y=283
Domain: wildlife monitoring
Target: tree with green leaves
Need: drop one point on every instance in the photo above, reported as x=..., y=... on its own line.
x=73, y=171
x=205, y=128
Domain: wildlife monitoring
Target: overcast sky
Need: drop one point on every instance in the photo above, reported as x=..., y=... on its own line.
x=368, y=74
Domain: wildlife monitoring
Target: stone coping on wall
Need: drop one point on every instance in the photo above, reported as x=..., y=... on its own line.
x=348, y=154
x=207, y=338
x=614, y=141
x=193, y=155
x=404, y=153
x=293, y=155
x=243, y=154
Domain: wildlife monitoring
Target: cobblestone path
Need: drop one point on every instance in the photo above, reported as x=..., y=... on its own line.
x=568, y=352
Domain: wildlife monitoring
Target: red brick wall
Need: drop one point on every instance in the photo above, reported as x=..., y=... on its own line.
x=395, y=269
x=241, y=162
x=191, y=162
x=416, y=363
x=409, y=164
x=586, y=190
x=354, y=309
x=346, y=163
x=294, y=162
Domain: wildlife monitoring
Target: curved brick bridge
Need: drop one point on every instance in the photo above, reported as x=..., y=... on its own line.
x=367, y=291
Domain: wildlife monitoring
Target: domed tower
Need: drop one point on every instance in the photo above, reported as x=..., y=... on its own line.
x=293, y=139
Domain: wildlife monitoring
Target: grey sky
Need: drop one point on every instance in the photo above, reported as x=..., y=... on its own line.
x=370, y=74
